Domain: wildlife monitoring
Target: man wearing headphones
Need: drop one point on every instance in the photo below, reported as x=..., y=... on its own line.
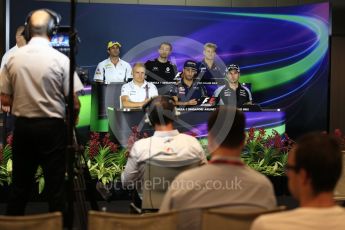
x=36, y=90
x=113, y=69
x=233, y=93
x=165, y=144
x=137, y=92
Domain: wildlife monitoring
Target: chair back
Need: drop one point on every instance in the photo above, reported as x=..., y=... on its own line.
x=110, y=221
x=158, y=176
x=51, y=221
x=339, y=192
x=239, y=219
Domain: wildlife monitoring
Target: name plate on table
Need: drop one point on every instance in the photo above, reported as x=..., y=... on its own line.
x=192, y=120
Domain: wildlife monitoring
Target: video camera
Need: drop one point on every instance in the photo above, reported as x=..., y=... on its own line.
x=60, y=40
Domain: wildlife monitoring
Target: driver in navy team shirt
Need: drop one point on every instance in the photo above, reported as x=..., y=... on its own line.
x=188, y=91
x=210, y=72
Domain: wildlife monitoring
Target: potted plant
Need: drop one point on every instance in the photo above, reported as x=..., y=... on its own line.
x=267, y=153
x=106, y=161
x=104, y=158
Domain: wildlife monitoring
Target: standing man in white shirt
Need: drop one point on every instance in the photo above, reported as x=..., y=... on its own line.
x=137, y=92
x=35, y=83
x=313, y=170
x=113, y=69
x=8, y=119
x=20, y=41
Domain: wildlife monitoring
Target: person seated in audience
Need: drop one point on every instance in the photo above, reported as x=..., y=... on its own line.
x=313, y=169
x=165, y=144
x=233, y=93
x=137, y=92
x=225, y=180
x=187, y=91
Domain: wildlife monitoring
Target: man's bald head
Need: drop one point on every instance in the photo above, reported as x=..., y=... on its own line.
x=39, y=23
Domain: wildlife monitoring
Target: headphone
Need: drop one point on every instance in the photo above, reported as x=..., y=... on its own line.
x=52, y=26
x=160, y=108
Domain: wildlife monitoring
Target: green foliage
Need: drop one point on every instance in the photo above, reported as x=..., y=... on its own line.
x=266, y=153
x=106, y=166
x=204, y=143
x=40, y=179
x=6, y=166
x=104, y=159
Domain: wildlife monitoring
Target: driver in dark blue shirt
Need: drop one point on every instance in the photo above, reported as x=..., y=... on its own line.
x=188, y=91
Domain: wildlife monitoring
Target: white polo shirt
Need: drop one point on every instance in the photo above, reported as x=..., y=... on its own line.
x=122, y=72
x=138, y=93
x=7, y=55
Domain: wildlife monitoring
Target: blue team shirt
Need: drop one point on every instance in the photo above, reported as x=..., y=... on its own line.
x=185, y=93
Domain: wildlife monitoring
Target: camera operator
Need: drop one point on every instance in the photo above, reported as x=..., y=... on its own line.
x=35, y=82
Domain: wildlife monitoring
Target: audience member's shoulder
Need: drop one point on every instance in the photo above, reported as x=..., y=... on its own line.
x=142, y=141
x=140, y=145
x=274, y=220
x=189, y=137
x=256, y=176
x=266, y=221
x=193, y=173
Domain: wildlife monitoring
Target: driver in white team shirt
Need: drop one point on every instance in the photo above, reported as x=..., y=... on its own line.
x=113, y=69
x=137, y=92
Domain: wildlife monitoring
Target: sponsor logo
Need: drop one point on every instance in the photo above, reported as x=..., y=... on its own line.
x=181, y=90
x=243, y=92
x=227, y=93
